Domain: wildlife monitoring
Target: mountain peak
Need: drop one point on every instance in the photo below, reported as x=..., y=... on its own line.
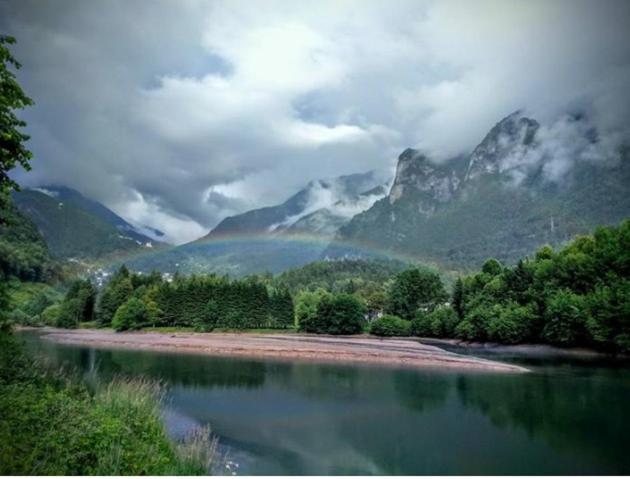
x=417, y=175
x=513, y=134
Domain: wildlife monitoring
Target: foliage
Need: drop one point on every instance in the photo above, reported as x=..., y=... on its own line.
x=50, y=316
x=440, y=322
x=202, y=302
x=12, y=149
x=413, y=289
x=340, y=276
x=74, y=230
x=306, y=304
x=367, y=279
x=133, y=314
x=78, y=305
x=52, y=425
x=23, y=252
x=577, y=296
x=336, y=314
x=388, y=325
x=115, y=293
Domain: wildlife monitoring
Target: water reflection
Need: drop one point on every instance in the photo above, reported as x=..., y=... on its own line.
x=585, y=413
x=307, y=418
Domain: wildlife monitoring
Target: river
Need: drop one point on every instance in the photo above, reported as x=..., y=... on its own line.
x=569, y=415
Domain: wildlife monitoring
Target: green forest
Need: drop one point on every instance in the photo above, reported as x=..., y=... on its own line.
x=578, y=295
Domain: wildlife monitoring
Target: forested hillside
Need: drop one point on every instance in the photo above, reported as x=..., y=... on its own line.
x=73, y=231
x=23, y=252
x=576, y=296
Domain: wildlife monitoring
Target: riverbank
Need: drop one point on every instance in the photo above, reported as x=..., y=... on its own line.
x=401, y=352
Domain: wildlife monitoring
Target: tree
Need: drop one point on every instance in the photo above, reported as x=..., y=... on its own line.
x=458, y=297
x=566, y=318
x=608, y=321
x=340, y=314
x=388, y=325
x=85, y=294
x=492, y=267
x=4, y=305
x=306, y=304
x=131, y=315
x=115, y=293
x=512, y=325
x=70, y=312
x=412, y=289
x=12, y=149
x=281, y=308
x=50, y=316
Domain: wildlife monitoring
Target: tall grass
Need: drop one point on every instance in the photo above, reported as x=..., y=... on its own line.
x=52, y=424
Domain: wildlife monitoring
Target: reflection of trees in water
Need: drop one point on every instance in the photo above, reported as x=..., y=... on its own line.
x=580, y=415
x=186, y=369
x=176, y=369
x=421, y=391
x=321, y=381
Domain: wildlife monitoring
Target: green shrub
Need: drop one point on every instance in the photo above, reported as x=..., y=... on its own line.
x=70, y=313
x=513, y=324
x=466, y=331
x=389, y=325
x=132, y=314
x=566, y=318
x=421, y=325
x=17, y=316
x=412, y=289
x=337, y=314
x=442, y=321
x=50, y=316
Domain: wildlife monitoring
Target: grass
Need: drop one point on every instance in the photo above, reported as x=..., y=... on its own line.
x=52, y=424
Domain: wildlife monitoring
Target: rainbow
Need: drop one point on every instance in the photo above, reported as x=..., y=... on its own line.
x=218, y=246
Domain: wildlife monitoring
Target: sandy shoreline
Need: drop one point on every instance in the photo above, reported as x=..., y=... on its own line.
x=402, y=352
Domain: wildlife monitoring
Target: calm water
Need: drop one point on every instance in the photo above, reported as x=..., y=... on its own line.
x=566, y=417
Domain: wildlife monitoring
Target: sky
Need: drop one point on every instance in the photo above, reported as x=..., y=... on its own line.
x=178, y=114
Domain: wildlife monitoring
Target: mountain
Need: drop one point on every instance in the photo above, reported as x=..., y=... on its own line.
x=77, y=227
x=320, y=208
x=516, y=191
x=274, y=238
x=23, y=252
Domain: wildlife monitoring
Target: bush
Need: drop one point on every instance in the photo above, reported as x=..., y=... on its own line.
x=466, y=331
x=421, y=325
x=566, y=318
x=477, y=322
x=336, y=314
x=513, y=324
x=306, y=303
x=442, y=321
x=388, y=325
x=17, y=316
x=412, y=289
x=50, y=316
x=133, y=314
x=70, y=314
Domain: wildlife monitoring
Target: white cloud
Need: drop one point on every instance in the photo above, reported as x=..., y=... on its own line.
x=189, y=101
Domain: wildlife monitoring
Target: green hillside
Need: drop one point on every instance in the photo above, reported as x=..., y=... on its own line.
x=23, y=252
x=72, y=231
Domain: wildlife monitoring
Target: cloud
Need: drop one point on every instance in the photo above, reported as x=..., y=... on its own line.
x=177, y=114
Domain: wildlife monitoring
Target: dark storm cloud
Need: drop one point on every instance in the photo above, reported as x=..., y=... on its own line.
x=176, y=114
